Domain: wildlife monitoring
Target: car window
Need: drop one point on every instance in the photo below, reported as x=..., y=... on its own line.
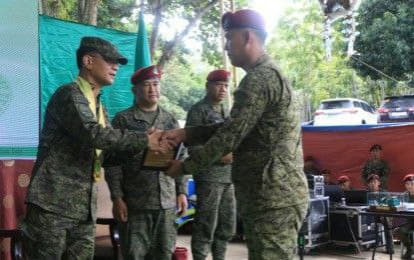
x=337, y=104
x=356, y=104
x=402, y=102
x=366, y=107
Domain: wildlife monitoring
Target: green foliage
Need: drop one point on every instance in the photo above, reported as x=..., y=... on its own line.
x=208, y=34
x=386, y=39
x=298, y=48
x=111, y=12
x=67, y=10
x=181, y=87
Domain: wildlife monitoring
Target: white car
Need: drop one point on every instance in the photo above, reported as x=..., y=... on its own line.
x=344, y=111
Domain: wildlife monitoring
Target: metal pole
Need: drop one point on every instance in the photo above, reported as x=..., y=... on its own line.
x=232, y=8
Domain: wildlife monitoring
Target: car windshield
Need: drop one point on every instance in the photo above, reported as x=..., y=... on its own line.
x=403, y=102
x=335, y=104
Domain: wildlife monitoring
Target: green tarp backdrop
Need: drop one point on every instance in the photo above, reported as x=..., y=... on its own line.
x=58, y=43
x=23, y=37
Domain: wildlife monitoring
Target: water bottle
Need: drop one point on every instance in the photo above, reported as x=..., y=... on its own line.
x=343, y=202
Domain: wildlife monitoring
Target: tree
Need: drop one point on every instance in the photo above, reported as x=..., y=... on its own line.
x=298, y=48
x=103, y=13
x=386, y=39
x=191, y=11
x=208, y=33
x=181, y=87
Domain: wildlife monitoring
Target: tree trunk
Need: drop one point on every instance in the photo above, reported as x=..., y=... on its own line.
x=88, y=11
x=50, y=7
x=81, y=10
x=170, y=48
x=156, y=26
x=92, y=12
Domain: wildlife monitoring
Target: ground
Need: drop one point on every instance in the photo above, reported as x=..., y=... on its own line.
x=236, y=250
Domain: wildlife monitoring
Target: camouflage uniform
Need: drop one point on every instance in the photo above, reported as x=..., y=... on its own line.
x=62, y=193
x=263, y=132
x=379, y=167
x=215, y=218
x=150, y=195
x=405, y=228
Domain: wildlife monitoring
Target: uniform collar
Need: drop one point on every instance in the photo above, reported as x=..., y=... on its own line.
x=262, y=59
x=139, y=114
x=207, y=101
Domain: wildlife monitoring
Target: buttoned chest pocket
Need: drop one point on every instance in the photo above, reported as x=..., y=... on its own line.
x=214, y=118
x=139, y=125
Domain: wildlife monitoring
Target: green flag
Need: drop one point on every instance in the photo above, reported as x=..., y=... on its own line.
x=142, y=52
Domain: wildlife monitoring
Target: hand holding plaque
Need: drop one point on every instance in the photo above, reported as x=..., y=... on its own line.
x=160, y=151
x=157, y=144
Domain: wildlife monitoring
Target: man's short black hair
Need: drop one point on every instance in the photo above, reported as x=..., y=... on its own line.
x=375, y=147
x=79, y=56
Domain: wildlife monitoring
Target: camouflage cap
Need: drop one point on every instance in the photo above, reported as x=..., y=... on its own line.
x=106, y=49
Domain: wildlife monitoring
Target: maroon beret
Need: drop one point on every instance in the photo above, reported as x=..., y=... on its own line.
x=218, y=75
x=373, y=177
x=343, y=179
x=146, y=73
x=244, y=18
x=408, y=177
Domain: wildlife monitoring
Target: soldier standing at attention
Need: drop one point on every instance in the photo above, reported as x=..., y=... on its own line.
x=376, y=165
x=145, y=201
x=61, y=210
x=263, y=132
x=215, y=217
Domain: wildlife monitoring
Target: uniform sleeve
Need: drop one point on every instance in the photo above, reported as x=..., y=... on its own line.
x=113, y=173
x=250, y=101
x=386, y=169
x=194, y=118
x=180, y=181
x=72, y=112
x=365, y=172
x=113, y=177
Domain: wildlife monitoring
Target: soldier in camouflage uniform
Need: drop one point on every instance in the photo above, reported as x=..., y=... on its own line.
x=376, y=165
x=263, y=132
x=407, y=225
x=145, y=201
x=215, y=216
x=61, y=211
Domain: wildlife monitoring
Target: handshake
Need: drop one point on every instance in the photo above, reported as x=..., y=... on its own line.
x=163, y=141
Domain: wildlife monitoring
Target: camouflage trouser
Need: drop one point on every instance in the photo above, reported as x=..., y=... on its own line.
x=404, y=234
x=47, y=235
x=215, y=219
x=148, y=234
x=273, y=234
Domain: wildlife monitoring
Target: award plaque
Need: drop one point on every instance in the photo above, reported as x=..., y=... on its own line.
x=159, y=161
